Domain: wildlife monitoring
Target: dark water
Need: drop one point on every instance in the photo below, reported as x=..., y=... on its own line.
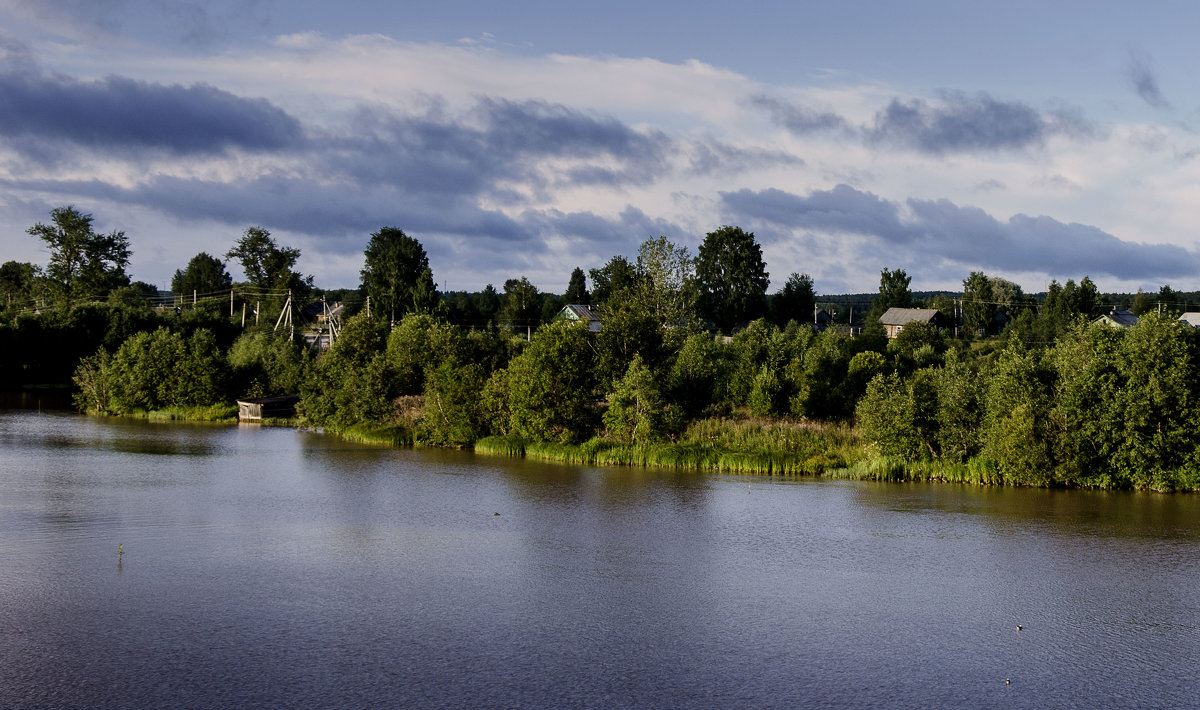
x=282, y=569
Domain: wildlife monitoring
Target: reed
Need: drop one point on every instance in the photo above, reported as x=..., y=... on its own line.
x=882, y=468
x=374, y=434
x=513, y=446
x=223, y=413
x=729, y=446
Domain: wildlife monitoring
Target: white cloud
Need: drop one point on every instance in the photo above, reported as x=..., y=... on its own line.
x=1124, y=180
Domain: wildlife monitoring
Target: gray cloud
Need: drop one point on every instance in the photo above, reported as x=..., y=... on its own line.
x=498, y=142
x=602, y=234
x=798, y=119
x=431, y=171
x=116, y=115
x=959, y=123
x=965, y=235
x=840, y=210
x=162, y=21
x=956, y=123
x=712, y=156
x=1144, y=82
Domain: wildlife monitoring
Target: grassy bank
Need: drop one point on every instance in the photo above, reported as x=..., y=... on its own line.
x=218, y=413
x=373, y=434
x=780, y=448
x=769, y=448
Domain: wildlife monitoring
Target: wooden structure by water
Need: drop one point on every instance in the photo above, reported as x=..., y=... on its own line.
x=259, y=408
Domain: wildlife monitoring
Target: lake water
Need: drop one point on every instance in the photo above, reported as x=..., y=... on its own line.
x=266, y=567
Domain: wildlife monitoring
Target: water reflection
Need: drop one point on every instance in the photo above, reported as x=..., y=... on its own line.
x=269, y=566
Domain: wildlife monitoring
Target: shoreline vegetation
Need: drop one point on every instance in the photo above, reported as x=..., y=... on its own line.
x=678, y=361
x=719, y=445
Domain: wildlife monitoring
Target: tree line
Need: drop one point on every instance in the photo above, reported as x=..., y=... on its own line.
x=1038, y=394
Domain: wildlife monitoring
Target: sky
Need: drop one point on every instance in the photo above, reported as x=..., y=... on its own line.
x=1028, y=140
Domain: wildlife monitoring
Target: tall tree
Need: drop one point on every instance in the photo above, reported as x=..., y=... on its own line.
x=612, y=279
x=893, y=290
x=82, y=262
x=577, y=289
x=732, y=277
x=16, y=280
x=396, y=274
x=1087, y=297
x=978, y=308
x=267, y=265
x=522, y=305
x=666, y=288
x=795, y=301
x=205, y=273
x=1141, y=304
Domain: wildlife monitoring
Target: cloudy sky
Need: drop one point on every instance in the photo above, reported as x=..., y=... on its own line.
x=1030, y=140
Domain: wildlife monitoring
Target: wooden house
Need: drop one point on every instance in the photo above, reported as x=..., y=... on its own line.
x=576, y=313
x=896, y=319
x=1117, y=318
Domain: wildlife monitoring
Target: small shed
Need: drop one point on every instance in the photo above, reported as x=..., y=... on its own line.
x=259, y=408
x=577, y=312
x=896, y=318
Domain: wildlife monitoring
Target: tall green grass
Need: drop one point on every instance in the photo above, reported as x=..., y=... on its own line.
x=976, y=471
x=501, y=446
x=724, y=445
x=224, y=413
x=374, y=434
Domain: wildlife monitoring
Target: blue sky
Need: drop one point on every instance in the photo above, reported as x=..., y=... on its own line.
x=1028, y=140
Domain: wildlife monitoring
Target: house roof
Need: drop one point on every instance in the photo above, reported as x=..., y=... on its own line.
x=904, y=316
x=580, y=312
x=1192, y=319
x=1119, y=318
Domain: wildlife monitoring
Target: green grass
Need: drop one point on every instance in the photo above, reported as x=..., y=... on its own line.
x=513, y=446
x=773, y=448
x=222, y=413
x=374, y=434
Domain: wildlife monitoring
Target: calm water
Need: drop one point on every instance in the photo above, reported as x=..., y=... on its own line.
x=275, y=568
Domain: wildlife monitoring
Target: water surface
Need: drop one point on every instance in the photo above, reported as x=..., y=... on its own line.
x=274, y=568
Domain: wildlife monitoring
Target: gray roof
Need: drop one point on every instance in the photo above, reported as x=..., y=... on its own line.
x=1119, y=318
x=1192, y=319
x=580, y=312
x=904, y=316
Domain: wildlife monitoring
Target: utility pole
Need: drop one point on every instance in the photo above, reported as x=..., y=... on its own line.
x=230, y=303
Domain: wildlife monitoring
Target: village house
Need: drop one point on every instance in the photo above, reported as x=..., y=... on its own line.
x=896, y=319
x=1117, y=318
x=576, y=313
x=1190, y=319
x=821, y=319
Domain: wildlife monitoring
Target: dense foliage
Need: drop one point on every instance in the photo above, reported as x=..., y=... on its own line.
x=1034, y=391
x=83, y=264
x=1100, y=407
x=396, y=274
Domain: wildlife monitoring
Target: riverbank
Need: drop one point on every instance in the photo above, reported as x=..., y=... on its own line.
x=769, y=448
x=752, y=446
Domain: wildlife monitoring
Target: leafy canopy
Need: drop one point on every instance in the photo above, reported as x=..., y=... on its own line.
x=732, y=276
x=396, y=275
x=82, y=262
